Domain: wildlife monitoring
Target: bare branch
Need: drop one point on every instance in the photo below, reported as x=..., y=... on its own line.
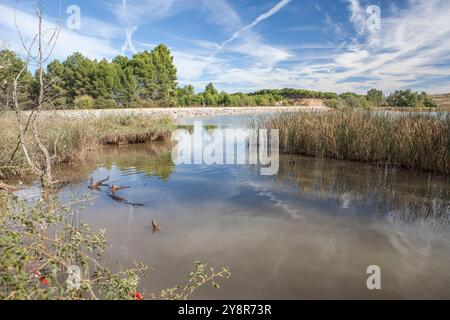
x=44, y=166
x=30, y=161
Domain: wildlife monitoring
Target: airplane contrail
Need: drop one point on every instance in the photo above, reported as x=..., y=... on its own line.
x=280, y=5
x=128, y=31
x=129, y=41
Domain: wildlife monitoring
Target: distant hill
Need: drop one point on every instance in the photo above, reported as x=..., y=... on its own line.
x=443, y=100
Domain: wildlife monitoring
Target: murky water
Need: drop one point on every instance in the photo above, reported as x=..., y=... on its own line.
x=310, y=231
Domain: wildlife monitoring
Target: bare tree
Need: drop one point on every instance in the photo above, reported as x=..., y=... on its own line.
x=38, y=53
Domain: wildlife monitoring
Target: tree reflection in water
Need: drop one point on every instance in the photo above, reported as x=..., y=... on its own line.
x=404, y=197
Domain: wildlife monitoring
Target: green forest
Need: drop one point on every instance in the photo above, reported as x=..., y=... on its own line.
x=149, y=79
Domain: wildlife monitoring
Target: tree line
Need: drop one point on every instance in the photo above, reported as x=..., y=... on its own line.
x=149, y=79
x=376, y=98
x=80, y=82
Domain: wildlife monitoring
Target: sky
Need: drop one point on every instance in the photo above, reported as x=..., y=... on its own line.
x=247, y=45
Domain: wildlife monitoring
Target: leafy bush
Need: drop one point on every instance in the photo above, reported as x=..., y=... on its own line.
x=332, y=103
x=145, y=103
x=375, y=97
x=84, y=102
x=410, y=99
x=40, y=245
x=353, y=100
x=101, y=103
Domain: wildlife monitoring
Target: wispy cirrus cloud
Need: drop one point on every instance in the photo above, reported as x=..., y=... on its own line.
x=340, y=54
x=201, y=65
x=91, y=41
x=358, y=17
x=410, y=51
x=141, y=12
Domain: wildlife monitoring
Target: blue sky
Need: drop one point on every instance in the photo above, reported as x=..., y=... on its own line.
x=246, y=45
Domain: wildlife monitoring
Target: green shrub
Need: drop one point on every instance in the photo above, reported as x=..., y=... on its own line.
x=104, y=104
x=84, y=102
x=40, y=243
x=354, y=101
x=332, y=103
x=146, y=103
x=410, y=99
x=375, y=97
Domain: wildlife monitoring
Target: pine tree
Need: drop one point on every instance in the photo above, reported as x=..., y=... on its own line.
x=165, y=74
x=55, y=76
x=7, y=74
x=125, y=90
x=78, y=76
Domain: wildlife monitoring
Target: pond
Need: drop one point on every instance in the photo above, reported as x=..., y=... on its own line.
x=309, y=231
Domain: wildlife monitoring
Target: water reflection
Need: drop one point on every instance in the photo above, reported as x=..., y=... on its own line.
x=310, y=231
x=152, y=159
x=398, y=195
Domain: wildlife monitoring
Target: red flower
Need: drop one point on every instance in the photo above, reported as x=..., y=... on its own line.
x=137, y=295
x=43, y=280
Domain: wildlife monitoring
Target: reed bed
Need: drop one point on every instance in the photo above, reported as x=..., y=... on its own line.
x=69, y=139
x=412, y=141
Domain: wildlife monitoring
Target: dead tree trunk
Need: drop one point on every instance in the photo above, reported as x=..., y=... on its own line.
x=41, y=164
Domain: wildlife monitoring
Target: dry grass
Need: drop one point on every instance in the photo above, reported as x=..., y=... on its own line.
x=69, y=139
x=417, y=142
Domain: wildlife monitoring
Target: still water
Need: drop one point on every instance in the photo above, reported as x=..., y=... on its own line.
x=309, y=231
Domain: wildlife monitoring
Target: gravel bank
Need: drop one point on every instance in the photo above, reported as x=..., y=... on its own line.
x=178, y=113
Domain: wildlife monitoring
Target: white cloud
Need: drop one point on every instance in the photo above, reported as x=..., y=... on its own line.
x=201, y=66
x=139, y=12
x=410, y=51
x=93, y=46
x=192, y=66
x=98, y=29
x=220, y=13
x=358, y=17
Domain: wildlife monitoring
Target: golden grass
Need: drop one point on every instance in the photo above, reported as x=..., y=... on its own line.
x=413, y=141
x=70, y=138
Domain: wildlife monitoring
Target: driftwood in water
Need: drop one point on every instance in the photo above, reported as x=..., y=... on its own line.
x=155, y=226
x=116, y=198
x=7, y=188
x=115, y=188
x=96, y=185
x=56, y=185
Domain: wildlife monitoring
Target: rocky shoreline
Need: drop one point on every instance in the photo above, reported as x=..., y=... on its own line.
x=178, y=113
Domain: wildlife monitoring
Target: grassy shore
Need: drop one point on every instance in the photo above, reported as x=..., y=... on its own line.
x=69, y=139
x=416, y=142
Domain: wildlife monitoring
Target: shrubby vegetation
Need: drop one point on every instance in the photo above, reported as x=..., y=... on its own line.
x=409, y=99
x=149, y=79
x=69, y=139
x=40, y=243
x=376, y=99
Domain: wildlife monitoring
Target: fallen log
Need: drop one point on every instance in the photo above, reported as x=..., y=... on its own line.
x=7, y=188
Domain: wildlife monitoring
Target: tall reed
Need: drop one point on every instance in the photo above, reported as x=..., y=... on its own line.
x=68, y=139
x=413, y=141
